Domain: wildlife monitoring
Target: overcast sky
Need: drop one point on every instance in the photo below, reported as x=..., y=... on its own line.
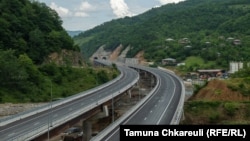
x=86, y=14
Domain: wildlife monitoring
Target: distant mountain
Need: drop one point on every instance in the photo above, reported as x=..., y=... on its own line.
x=74, y=33
x=204, y=28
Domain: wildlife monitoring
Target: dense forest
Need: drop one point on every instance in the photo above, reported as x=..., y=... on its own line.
x=204, y=28
x=30, y=31
x=32, y=28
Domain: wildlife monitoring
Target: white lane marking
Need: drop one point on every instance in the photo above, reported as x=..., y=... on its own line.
x=36, y=123
x=168, y=103
x=11, y=134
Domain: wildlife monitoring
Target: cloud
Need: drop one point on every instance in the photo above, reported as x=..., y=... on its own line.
x=85, y=6
x=80, y=11
x=120, y=8
x=80, y=14
x=62, y=12
x=169, y=1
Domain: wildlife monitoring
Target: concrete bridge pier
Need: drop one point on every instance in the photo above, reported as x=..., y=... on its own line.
x=129, y=93
x=145, y=74
x=152, y=81
x=87, y=130
x=105, y=110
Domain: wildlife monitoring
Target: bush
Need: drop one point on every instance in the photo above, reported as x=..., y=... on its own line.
x=214, y=117
x=231, y=108
x=232, y=87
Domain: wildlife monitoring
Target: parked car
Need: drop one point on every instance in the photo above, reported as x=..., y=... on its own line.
x=75, y=131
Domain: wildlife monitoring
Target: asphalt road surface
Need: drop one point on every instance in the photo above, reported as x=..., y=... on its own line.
x=20, y=129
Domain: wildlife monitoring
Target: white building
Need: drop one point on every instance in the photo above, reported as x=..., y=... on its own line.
x=235, y=66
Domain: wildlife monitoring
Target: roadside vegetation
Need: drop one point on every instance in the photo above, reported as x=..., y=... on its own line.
x=22, y=81
x=216, y=112
x=220, y=102
x=31, y=69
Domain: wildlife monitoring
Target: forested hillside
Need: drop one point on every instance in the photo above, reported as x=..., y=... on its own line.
x=31, y=32
x=32, y=28
x=204, y=28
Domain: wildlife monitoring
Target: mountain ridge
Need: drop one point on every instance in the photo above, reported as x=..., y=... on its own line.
x=73, y=33
x=200, y=21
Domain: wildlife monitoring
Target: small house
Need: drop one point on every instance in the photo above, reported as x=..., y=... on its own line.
x=169, y=61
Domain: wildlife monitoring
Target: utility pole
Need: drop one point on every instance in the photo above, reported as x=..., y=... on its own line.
x=113, y=118
x=50, y=111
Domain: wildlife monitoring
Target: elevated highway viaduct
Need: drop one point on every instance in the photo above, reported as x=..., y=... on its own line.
x=163, y=106
x=43, y=123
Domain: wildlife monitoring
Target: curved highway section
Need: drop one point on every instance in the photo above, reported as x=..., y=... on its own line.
x=159, y=108
x=32, y=126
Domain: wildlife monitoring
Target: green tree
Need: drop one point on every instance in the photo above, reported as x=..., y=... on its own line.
x=102, y=77
x=34, y=75
x=12, y=73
